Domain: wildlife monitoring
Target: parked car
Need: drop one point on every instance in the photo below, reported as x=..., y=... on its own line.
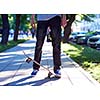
x=79, y=36
x=83, y=38
x=72, y=36
x=1, y=30
x=94, y=41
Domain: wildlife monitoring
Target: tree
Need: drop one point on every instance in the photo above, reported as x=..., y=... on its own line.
x=67, y=28
x=22, y=23
x=25, y=22
x=5, y=33
x=12, y=20
x=17, y=27
x=71, y=19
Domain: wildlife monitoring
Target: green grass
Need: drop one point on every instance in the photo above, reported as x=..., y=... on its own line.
x=86, y=57
x=10, y=44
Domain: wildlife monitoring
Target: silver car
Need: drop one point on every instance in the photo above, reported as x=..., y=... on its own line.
x=94, y=41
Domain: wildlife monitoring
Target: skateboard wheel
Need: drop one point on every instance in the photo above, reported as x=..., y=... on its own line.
x=49, y=74
x=28, y=60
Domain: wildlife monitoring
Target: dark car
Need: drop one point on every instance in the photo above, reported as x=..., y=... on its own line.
x=83, y=39
x=72, y=36
x=1, y=30
x=78, y=36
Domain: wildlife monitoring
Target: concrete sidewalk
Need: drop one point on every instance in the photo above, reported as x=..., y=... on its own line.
x=14, y=71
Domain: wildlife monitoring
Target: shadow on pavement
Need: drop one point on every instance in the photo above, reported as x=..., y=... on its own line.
x=32, y=83
x=8, y=77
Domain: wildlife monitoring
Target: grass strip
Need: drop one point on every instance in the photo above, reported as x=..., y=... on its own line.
x=10, y=44
x=86, y=57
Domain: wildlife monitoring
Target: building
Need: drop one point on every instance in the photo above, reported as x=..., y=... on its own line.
x=88, y=26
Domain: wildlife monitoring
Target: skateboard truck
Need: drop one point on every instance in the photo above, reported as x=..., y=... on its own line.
x=28, y=60
x=49, y=74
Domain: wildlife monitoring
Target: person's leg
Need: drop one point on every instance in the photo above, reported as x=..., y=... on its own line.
x=55, y=25
x=40, y=36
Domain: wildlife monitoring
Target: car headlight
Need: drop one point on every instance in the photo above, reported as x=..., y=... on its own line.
x=83, y=37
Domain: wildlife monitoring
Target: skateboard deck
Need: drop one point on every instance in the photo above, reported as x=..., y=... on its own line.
x=50, y=73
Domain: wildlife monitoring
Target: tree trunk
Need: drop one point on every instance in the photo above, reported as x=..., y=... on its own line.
x=17, y=27
x=67, y=29
x=5, y=33
x=67, y=32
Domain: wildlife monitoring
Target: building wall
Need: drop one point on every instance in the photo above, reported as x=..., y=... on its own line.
x=88, y=26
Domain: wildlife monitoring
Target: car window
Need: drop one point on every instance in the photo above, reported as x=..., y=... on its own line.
x=97, y=33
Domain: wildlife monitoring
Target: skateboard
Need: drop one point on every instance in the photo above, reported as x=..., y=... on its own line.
x=50, y=74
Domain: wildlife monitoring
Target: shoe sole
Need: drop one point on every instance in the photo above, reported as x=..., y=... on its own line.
x=57, y=76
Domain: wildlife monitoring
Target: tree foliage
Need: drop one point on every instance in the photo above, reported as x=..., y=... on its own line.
x=23, y=23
